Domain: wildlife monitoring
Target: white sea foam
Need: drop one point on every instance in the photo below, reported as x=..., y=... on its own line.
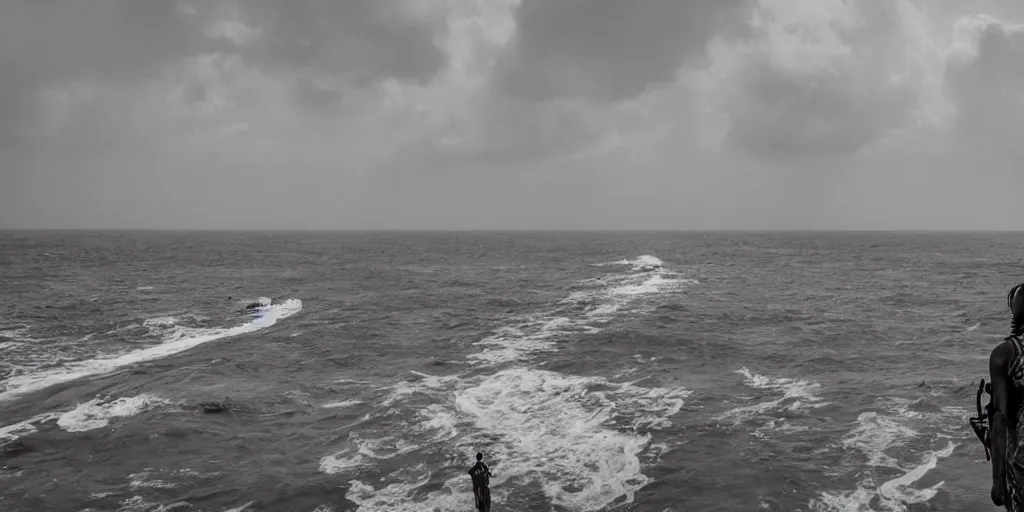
x=340, y=462
x=17, y=334
x=361, y=452
x=179, y=340
x=433, y=424
x=404, y=389
x=881, y=437
x=799, y=393
x=645, y=262
x=141, y=480
x=580, y=445
x=98, y=412
x=139, y=504
x=90, y=415
x=395, y=497
x=579, y=438
x=456, y=495
x=13, y=432
x=160, y=321
x=341, y=404
x=10, y=331
x=601, y=301
x=154, y=326
x=240, y=508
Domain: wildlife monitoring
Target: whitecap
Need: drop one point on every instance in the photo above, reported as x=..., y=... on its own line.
x=799, y=392
x=878, y=437
x=98, y=412
x=341, y=404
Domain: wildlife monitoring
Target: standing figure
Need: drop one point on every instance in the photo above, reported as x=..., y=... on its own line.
x=1006, y=372
x=481, y=476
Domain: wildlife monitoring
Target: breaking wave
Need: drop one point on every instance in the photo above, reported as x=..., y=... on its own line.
x=98, y=412
x=91, y=415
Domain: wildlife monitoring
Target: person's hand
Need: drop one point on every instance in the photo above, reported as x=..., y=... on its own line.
x=998, y=495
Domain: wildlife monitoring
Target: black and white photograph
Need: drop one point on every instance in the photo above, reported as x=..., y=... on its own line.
x=511, y=255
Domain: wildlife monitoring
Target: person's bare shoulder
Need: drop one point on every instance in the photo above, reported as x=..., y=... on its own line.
x=999, y=359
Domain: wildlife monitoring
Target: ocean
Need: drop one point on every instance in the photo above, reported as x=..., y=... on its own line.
x=595, y=371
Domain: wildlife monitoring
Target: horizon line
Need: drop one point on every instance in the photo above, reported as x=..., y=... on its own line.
x=500, y=230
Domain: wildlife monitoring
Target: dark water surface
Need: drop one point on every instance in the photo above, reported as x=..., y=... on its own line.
x=596, y=371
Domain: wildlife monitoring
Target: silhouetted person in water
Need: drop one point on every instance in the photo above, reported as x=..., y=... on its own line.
x=481, y=475
x=1006, y=371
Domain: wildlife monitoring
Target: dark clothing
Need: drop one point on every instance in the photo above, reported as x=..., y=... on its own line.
x=481, y=475
x=483, y=499
x=1013, y=467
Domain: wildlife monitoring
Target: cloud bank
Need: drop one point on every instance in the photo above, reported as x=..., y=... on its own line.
x=506, y=114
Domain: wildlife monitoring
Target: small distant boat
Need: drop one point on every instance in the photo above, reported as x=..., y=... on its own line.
x=259, y=304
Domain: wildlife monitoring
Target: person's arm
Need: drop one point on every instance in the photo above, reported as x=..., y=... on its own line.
x=998, y=369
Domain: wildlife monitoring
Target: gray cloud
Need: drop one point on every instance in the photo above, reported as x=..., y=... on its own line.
x=367, y=40
x=985, y=80
x=606, y=49
x=273, y=113
x=784, y=116
x=55, y=42
x=820, y=90
x=525, y=132
x=58, y=41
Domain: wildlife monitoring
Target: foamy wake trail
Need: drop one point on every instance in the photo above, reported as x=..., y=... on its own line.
x=877, y=437
x=798, y=393
x=594, y=303
x=582, y=440
x=579, y=438
x=641, y=263
x=96, y=413
x=179, y=340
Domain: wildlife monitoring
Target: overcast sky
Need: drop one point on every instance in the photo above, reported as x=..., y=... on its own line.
x=505, y=114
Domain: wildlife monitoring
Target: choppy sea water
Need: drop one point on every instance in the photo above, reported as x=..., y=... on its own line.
x=595, y=371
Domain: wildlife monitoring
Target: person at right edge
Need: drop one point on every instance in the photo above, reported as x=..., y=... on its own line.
x=1006, y=371
x=481, y=474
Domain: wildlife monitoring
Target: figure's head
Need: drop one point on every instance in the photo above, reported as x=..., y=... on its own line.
x=1015, y=300
x=479, y=456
